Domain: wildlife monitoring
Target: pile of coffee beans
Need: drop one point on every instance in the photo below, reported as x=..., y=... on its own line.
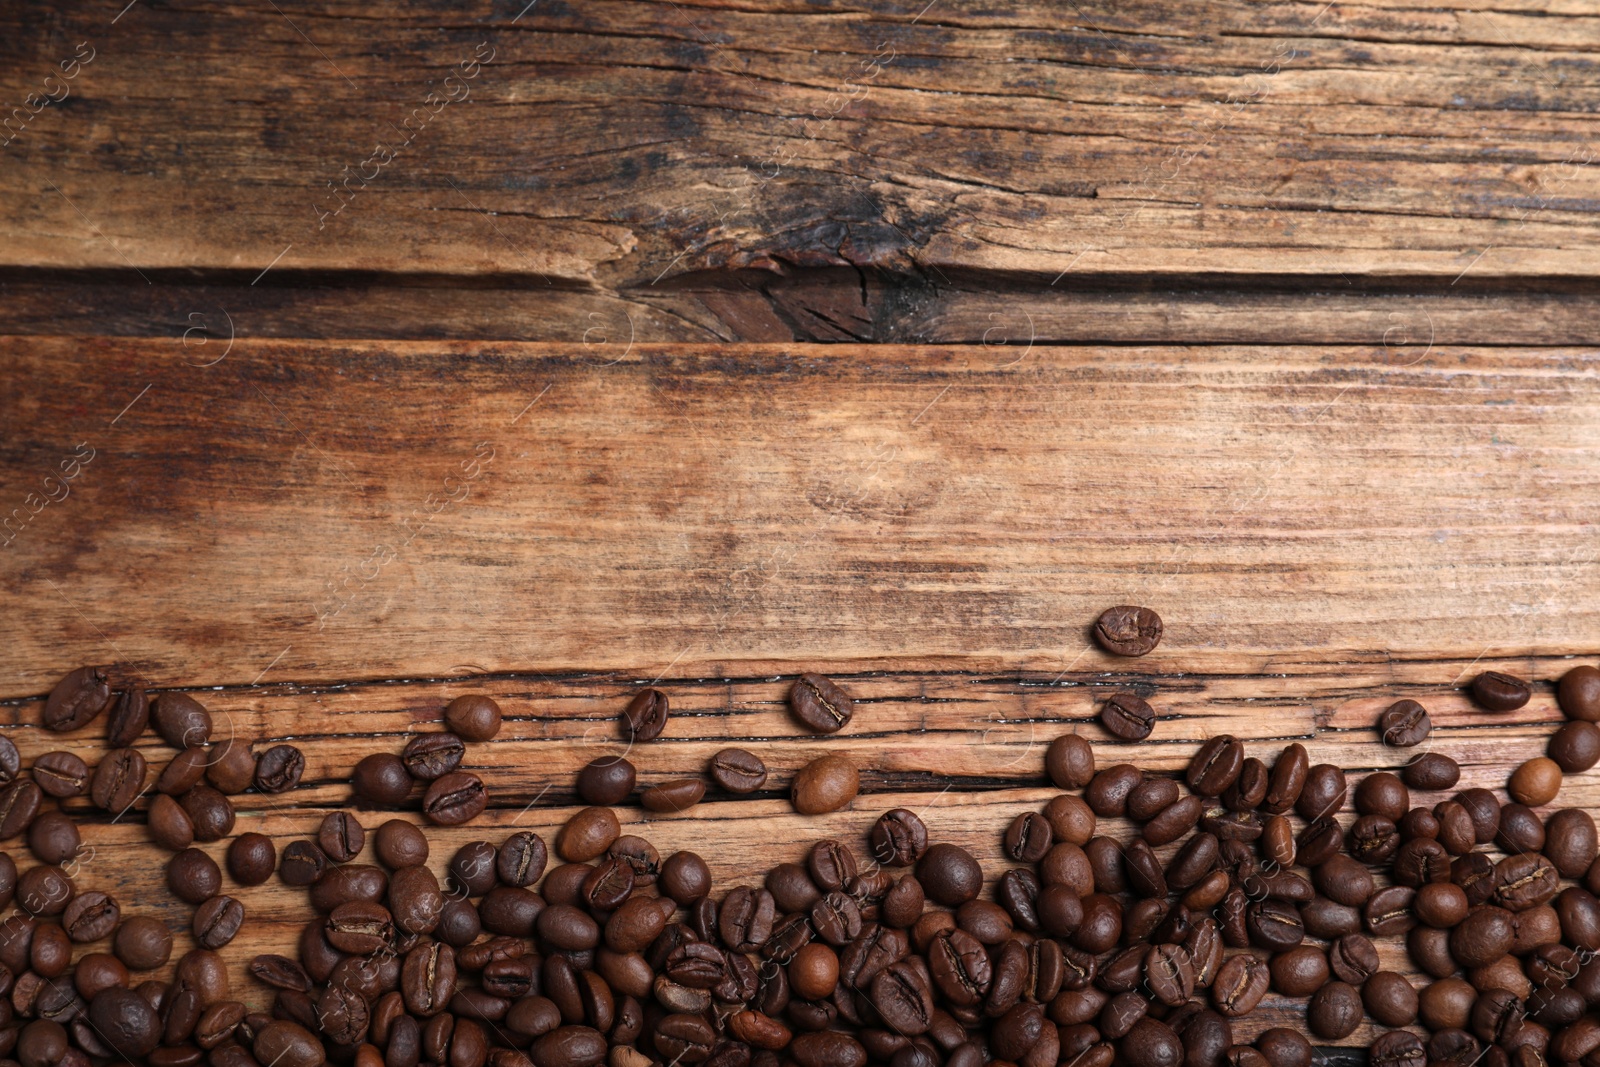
x=1243, y=877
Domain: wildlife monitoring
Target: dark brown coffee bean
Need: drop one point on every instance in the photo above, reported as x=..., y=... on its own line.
x=125, y=1022
x=181, y=720
x=193, y=876
x=279, y=769
x=182, y=773
x=646, y=715
x=1334, y=1011
x=142, y=943
x=1579, y=694
x=287, y=1044
x=473, y=717
x=1216, y=766
x=397, y=843
x=170, y=826
x=1570, y=842
x=60, y=774
x=456, y=798
x=521, y=859
x=899, y=838
x=19, y=803
x=303, y=863
x=1300, y=971
x=680, y=794
x=1127, y=630
x=1028, y=838
x=217, y=921
x=77, y=700
x=232, y=767
x=1519, y=829
x=210, y=811
x=1127, y=716
x=737, y=771
x=949, y=875
x=382, y=779
x=90, y=916
x=685, y=878
x=1500, y=692
x=341, y=837
x=606, y=781
x=130, y=714
x=1324, y=792
x=819, y=705
x=587, y=835
x=1482, y=937
x=348, y=882
x=430, y=756
x=118, y=780
x=1069, y=761
x=904, y=998
x=1288, y=780
x=1432, y=771
x=1404, y=724
x=251, y=858
x=1248, y=790
x=1240, y=984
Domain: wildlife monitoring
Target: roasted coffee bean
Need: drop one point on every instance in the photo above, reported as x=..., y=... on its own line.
x=1334, y=1011
x=1177, y=819
x=383, y=778
x=341, y=837
x=1240, y=984
x=1579, y=694
x=646, y=715
x=685, y=878
x=1288, y=780
x=1028, y=838
x=1536, y=782
x=820, y=705
x=211, y=813
x=473, y=717
x=1519, y=829
x=1248, y=790
x=1500, y=692
x=1482, y=937
x=193, y=876
x=1216, y=766
x=904, y=998
x=302, y=864
x=399, y=844
x=232, y=766
x=44, y=890
x=170, y=826
x=59, y=774
x=1069, y=761
x=587, y=834
x=1432, y=771
x=181, y=720
x=1404, y=724
x=125, y=1022
x=1324, y=792
x=1127, y=630
x=142, y=943
x=19, y=802
x=745, y=919
x=1441, y=904
x=737, y=771
x=1300, y=971
x=1146, y=799
x=217, y=921
x=118, y=780
x=430, y=756
x=898, y=838
x=181, y=774
x=90, y=916
x=456, y=798
x=1127, y=716
x=679, y=794
x=130, y=714
x=1383, y=793
x=472, y=868
x=1108, y=792
x=279, y=769
x=53, y=837
x=1570, y=842
x=347, y=882
x=607, y=780
x=1485, y=811
x=949, y=875
x=1574, y=748
x=1388, y=911
x=280, y=972
x=77, y=700
x=826, y=784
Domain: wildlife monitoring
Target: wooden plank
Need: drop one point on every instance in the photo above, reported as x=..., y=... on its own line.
x=619, y=143
x=340, y=511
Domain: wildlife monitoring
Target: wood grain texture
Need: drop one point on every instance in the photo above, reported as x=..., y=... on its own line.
x=619, y=143
x=345, y=511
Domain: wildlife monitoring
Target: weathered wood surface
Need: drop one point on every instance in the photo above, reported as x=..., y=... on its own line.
x=1404, y=318
x=619, y=143
x=344, y=511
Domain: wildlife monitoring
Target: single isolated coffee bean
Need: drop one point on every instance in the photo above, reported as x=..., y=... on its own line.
x=826, y=784
x=77, y=700
x=303, y=863
x=819, y=705
x=382, y=779
x=899, y=838
x=1434, y=771
x=1126, y=630
x=1536, y=782
x=737, y=771
x=1127, y=716
x=680, y=794
x=1404, y=724
x=251, y=858
x=341, y=837
x=646, y=715
x=474, y=717
x=1500, y=692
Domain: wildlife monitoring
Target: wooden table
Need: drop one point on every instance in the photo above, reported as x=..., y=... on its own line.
x=1273, y=317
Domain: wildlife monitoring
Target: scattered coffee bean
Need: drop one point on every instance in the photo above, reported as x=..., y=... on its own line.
x=606, y=781
x=1500, y=692
x=181, y=720
x=473, y=717
x=1579, y=694
x=646, y=715
x=826, y=784
x=60, y=774
x=130, y=714
x=680, y=794
x=1434, y=771
x=77, y=700
x=737, y=771
x=1404, y=724
x=251, y=858
x=1069, y=761
x=1128, y=630
x=341, y=837
x=279, y=769
x=1127, y=716
x=118, y=780
x=820, y=705
x=430, y=756
x=456, y=798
